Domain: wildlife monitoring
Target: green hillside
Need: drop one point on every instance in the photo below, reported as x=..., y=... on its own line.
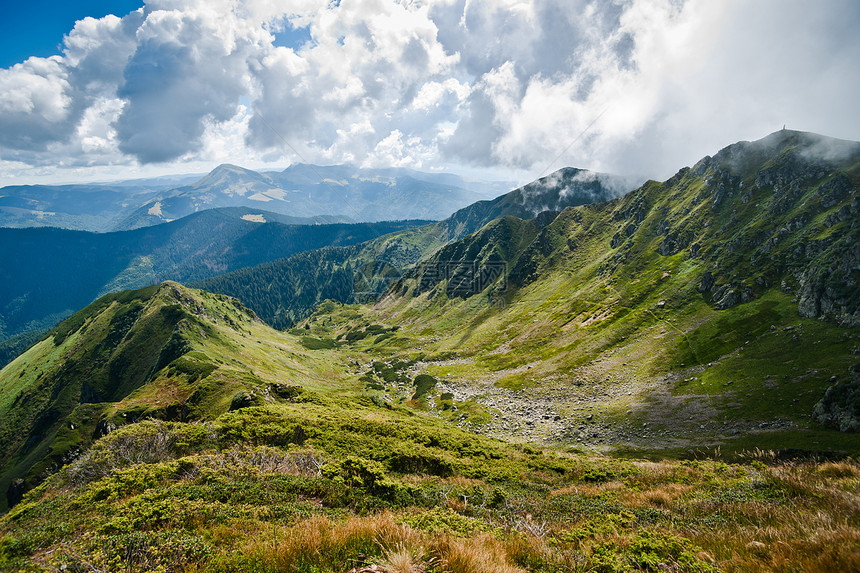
x=714, y=308
x=667, y=381
x=284, y=291
x=46, y=273
x=230, y=446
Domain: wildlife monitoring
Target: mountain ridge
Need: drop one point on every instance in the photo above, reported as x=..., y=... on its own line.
x=664, y=396
x=122, y=205
x=306, y=190
x=727, y=277
x=90, y=264
x=363, y=273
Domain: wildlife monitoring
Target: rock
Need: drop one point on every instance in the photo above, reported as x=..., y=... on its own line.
x=104, y=427
x=242, y=399
x=668, y=246
x=834, y=191
x=729, y=298
x=287, y=391
x=15, y=492
x=829, y=287
x=840, y=406
x=707, y=282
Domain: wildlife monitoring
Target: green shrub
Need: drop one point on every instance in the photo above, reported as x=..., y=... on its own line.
x=423, y=383
x=192, y=368
x=312, y=343
x=652, y=551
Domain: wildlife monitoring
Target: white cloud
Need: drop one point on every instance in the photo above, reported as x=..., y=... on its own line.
x=34, y=104
x=509, y=85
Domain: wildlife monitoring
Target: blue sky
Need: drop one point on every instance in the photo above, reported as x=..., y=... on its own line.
x=36, y=27
x=506, y=89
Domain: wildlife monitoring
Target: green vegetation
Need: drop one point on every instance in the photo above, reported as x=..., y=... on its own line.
x=652, y=362
x=281, y=487
x=37, y=296
x=423, y=384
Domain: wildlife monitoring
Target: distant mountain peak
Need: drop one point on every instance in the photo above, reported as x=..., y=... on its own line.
x=804, y=146
x=227, y=170
x=570, y=186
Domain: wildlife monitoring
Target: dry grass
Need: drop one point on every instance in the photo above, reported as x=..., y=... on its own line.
x=403, y=559
x=838, y=470
x=320, y=542
x=791, y=549
x=359, y=542
x=661, y=497
x=481, y=554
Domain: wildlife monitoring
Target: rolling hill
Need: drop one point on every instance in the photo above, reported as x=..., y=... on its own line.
x=47, y=273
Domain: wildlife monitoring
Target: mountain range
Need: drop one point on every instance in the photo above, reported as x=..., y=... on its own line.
x=286, y=290
x=338, y=193
x=508, y=389
x=48, y=273
x=307, y=190
x=94, y=207
x=717, y=306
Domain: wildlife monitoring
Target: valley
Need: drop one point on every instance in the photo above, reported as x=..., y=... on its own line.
x=565, y=378
x=430, y=286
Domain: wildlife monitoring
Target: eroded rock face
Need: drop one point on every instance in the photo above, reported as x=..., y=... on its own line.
x=840, y=406
x=833, y=291
x=808, y=241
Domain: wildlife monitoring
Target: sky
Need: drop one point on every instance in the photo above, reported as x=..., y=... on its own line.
x=503, y=89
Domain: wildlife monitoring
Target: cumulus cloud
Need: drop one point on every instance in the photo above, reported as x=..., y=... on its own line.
x=187, y=69
x=35, y=105
x=626, y=86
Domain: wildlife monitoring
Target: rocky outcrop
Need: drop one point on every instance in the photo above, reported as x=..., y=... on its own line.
x=789, y=216
x=831, y=287
x=840, y=406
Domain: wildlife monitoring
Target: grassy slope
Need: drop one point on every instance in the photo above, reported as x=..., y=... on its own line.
x=616, y=330
x=334, y=464
x=287, y=290
x=72, y=268
x=324, y=475
x=162, y=351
